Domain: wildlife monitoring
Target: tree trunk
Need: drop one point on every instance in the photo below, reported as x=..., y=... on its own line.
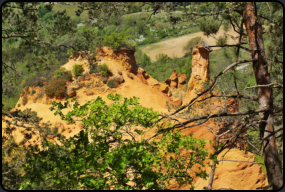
x=265, y=97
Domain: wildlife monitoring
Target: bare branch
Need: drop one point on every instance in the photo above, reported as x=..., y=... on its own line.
x=268, y=85
x=240, y=161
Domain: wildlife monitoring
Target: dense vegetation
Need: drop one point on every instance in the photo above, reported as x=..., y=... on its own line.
x=36, y=44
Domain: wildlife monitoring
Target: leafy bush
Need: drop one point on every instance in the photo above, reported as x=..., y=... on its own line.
x=115, y=40
x=33, y=92
x=71, y=51
x=111, y=83
x=67, y=75
x=93, y=69
x=49, y=16
x=59, y=72
x=56, y=87
x=44, y=9
x=63, y=74
x=105, y=80
x=77, y=70
x=104, y=70
x=191, y=44
x=39, y=78
x=150, y=160
x=162, y=34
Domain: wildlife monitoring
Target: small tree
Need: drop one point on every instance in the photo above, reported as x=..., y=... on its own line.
x=191, y=44
x=115, y=40
x=77, y=70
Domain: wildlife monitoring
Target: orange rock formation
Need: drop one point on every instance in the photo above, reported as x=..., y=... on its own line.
x=200, y=70
x=152, y=94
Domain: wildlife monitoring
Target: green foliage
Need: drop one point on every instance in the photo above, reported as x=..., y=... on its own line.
x=104, y=70
x=162, y=34
x=59, y=72
x=105, y=80
x=39, y=78
x=71, y=51
x=191, y=44
x=162, y=57
x=222, y=40
x=111, y=83
x=93, y=68
x=33, y=92
x=44, y=9
x=77, y=70
x=259, y=159
x=47, y=169
x=115, y=40
x=56, y=87
x=163, y=67
x=63, y=74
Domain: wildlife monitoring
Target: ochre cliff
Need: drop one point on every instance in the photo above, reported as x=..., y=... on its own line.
x=152, y=94
x=200, y=70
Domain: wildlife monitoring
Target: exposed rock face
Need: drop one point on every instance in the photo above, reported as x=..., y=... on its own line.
x=228, y=174
x=235, y=175
x=130, y=76
x=87, y=77
x=89, y=92
x=59, y=125
x=70, y=91
x=232, y=105
x=200, y=70
x=125, y=57
x=177, y=85
x=118, y=79
x=182, y=82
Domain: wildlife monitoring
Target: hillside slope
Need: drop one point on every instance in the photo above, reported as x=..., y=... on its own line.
x=152, y=94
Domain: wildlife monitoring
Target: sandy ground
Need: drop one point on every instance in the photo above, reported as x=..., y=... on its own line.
x=174, y=47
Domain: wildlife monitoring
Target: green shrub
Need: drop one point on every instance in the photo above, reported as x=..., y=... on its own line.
x=40, y=77
x=77, y=70
x=59, y=72
x=56, y=87
x=162, y=34
x=93, y=69
x=67, y=75
x=33, y=92
x=29, y=92
x=191, y=44
x=104, y=70
x=111, y=83
x=25, y=100
x=115, y=40
x=105, y=80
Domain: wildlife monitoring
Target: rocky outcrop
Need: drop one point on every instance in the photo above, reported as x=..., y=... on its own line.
x=117, y=79
x=70, y=91
x=89, y=92
x=232, y=105
x=177, y=85
x=182, y=82
x=200, y=70
x=124, y=57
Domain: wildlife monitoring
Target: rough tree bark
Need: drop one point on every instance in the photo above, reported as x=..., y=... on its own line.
x=265, y=97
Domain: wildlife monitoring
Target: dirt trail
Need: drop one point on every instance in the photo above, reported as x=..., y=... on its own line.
x=174, y=47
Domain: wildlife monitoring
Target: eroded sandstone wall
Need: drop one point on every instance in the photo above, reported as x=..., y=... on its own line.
x=200, y=70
